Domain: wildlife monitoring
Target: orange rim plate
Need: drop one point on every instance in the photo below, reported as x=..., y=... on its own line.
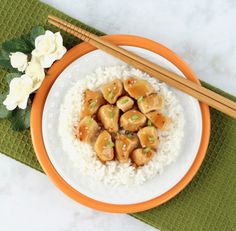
x=37, y=136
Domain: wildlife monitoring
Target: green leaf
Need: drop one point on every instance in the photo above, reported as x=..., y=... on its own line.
x=27, y=39
x=4, y=59
x=20, y=119
x=15, y=45
x=4, y=113
x=11, y=76
x=35, y=32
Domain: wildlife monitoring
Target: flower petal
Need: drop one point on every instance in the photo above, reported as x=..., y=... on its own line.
x=20, y=89
x=38, y=40
x=36, y=85
x=49, y=33
x=18, y=60
x=49, y=48
x=10, y=105
x=35, y=70
x=58, y=39
x=35, y=53
x=61, y=53
x=48, y=60
x=23, y=104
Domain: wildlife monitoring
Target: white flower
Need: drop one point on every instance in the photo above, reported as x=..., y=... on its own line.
x=48, y=48
x=18, y=60
x=36, y=72
x=20, y=89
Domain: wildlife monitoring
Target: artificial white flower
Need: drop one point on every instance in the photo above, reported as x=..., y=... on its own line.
x=18, y=60
x=49, y=48
x=36, y=72
x=20, y=89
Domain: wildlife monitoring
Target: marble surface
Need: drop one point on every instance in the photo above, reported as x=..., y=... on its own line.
x=29, y=201
x=202, y=32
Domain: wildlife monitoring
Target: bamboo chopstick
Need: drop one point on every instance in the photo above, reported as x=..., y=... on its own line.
x=207, y=96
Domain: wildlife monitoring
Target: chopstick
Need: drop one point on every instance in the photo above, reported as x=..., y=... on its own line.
x=203, y=94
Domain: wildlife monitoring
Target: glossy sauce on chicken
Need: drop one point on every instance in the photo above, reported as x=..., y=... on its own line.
x=122, y=120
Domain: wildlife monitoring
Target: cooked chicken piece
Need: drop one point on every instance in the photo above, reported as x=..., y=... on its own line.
x=150, y=103
x=104, y=146
x=124, y=145
x=142, y=156
x=158, y=120
x=137, y=87
x=148, y=137
x=111, y=91
x=92, y=101
x=87, y=129
x=132, y=120
x=109, y=116
x=125, y=103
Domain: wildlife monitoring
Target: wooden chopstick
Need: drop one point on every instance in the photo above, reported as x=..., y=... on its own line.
x=86, y=36
x=209, y=97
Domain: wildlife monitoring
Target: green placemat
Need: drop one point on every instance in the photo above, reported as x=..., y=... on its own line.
x=207, y=203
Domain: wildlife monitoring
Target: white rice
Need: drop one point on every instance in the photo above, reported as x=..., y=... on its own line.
x=114, y=173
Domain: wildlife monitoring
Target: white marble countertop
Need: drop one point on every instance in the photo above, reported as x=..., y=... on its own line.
x=202, y=32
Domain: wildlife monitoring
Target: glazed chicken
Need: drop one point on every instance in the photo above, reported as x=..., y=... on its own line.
x=92, y=101
x=132, y=120
x=142, y=156
x=150, y=103
x=87, y=129
x=158, y=119
x=111, y=91
x=124, y=145
x=109, y=116
x=137, y=88
x=148, y=137
x=128, y=121
x=104, y=146
x=124, y=103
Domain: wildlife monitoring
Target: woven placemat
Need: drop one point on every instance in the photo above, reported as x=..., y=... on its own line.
x=207, y=203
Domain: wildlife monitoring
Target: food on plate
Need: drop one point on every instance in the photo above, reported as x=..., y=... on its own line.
x=111, y=91
x=148, y=137
x=142, y=156
x=109, y=116
x=87, y=129
x=137, y=87
x=104, y=146
x=120, y=126
x=121, y=134
x=125, y=103
x=158, y=119
x=124, y=145
x=92, y=101
x=132, y=120
x=150, y=103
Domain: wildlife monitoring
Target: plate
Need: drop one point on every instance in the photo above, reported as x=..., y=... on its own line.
x=157, y=186
x=84, y=59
